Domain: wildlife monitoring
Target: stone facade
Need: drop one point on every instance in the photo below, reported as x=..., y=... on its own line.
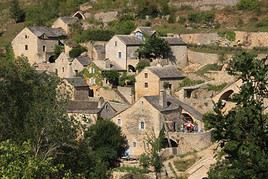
x=38, y=49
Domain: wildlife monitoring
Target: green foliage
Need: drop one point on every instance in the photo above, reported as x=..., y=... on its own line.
x=144, y=161
x=152, y=8
x=58, y=49
x=109, y=145
x=142, y=64
x=229, y=35
x=77, y=51
x=248, y=4
x=201, y=17
x=123, y=27
x=183, y=164
x=112, y=77
x=216, y=87
x=189, y=82
x=126, y=79
x=16, y=12
x=19, y=161
x=242, y=132
x=154, y=47
x=94, y=35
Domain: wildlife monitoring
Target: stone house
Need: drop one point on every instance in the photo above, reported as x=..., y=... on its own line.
x=142, y=32
x=80, y=88
x=37, y=43
x=148, y=116
x=65, y=23
x=122, y=50
x=151, y=80
x=110, y=109
x=65, y=67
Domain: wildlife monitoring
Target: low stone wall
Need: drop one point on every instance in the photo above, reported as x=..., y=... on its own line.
x=252, y=39
x=204, y=4
x=202, y=58
x=201, y=38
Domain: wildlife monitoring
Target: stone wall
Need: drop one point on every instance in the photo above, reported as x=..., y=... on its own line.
x=201, y=38
x=108, y=95
x=202, y=58
x=127, y=92
x=204, y=4
x=106, y=16
x=252, y=39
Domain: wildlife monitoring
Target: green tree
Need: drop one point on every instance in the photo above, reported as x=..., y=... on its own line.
x=16, y=12
x=31, y=108
x=108, y=146
x=142, y=64
x=242, y=132
x=19, y=161
x=123, y=27
x=248, y=4
x=112, y=77
x=126, y=79
x=154, y=47
x=77, y=51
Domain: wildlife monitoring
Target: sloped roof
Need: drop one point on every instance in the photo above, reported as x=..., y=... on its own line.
x=84, y=60
x=130, y=40
x=82, y=106
x=49, y=32
x=174, y=104
x=166, y=72
x=69, y=20
x=154, y=101
x=148, y=31
x=106, y=65
x=76, y=81
x=174, y=40
x=118, y=106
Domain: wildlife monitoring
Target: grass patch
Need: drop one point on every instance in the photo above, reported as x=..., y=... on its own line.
x=183, y=164
x=189, y=82
x=209, y=67
x=216, y=87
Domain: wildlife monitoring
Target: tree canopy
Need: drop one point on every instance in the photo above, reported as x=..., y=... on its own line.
x=154, y=47
x=243, y=132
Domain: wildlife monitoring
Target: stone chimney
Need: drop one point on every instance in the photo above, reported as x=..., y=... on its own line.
x=100, y=102
x=162, y=98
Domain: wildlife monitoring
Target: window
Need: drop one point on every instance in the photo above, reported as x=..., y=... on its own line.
x=145, y=75
x=76, y=72
x=26, y=47
x=44, y=48
x=62, y=69
x=134, y=144
x=56, y=71
x=142, y=125
x=119, y=54
x=146, y=85
x=115, y=43
x=26, y=36
x=119, y=122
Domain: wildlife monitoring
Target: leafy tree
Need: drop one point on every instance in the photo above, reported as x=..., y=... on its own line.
x=94, y=35
x=16, y=12
x=126, y=79
x=142, y=64
x=32, y=109
x=242, y=132
x=112, y=77
x=154, y=47
x=19, y=161
x=248, y=4
x=109, y=145
x=123, y=27
x=58, y=49
x=77, y=51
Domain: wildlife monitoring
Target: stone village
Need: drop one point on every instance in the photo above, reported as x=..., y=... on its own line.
x=156, y=100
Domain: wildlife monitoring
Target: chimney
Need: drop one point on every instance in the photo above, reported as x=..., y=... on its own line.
x=100, y=102
x=162, y=98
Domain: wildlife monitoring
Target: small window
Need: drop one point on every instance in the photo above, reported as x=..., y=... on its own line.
x=62, y=69
x=119, y=122
x=119, y=54
x=26, y=36
x=115, y=43
x=142, y=125
x=146, y=85
x=44, y=48
x=26, y=47
x=134, y=144
x=76, y=72
x=56, y=71
x=145, y=75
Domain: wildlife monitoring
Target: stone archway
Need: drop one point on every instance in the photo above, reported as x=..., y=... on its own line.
x=52, y=59
x=131, y=68
x=226, y=95
x=188, y=117
x=79, y=15
x=172, y=141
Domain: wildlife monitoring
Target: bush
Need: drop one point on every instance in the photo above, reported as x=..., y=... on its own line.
x=142, y=64
x=201, y=17
x=248, y=4
x=76, y=52
x=216, y=87
x=126, y=79
x=229, y=35
x=189, y=82
x=123, y=27
x=94, y=35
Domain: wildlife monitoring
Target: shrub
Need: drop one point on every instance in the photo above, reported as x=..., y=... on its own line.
x=76, y=52
x=216, y=87
x=94, y=35
x=229, y=35
x=189, y=82
x=123, y=27
x=201, y=17
x=126, y=79
x=142, y=64
x=248, y=4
